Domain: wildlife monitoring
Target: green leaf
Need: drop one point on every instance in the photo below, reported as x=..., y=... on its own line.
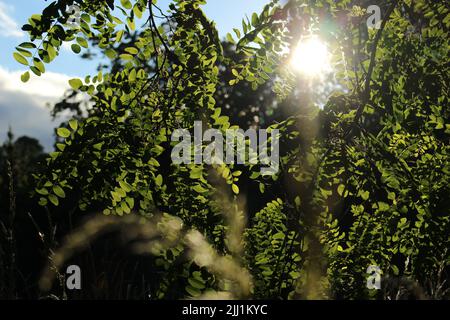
x=98, y=146
x=59, y=191
x=110, y=53
x=199, y=189
x=267, y=69
x=193, y=291
x=237, y=31
x=255, y=19
x=325, y=193
x=51, y=52
x=196, y=173
x=63, y=132
x=82, y=42
x=130, y=202
x=75, y=83
x=131, y=24
x=159, y=180
x=75, y=48
x=365, y=195
x=132, y=50
x=235, y=188
x=125, y=186
x=24, y=52
x=35, y=70
x=27, y=45
x=36, y=17
x=126, y=4
x=73, y=123
x=38, y=64
x=25, y=76
x=126, y=56
x=230, y=38
x=402, y=222
x=53, y=199
x=255, y=175
x=196, y=283
x=395, y=270
x=382, y=206
x=119, y=35
x=262, y=260
x=42, y=191
x=137, y=11
x=340, y=189
x=20, y=58
x=222, y=120
x=278, y=236
x=125, y=207
x=132, y=75
x=262, y=187
x=297, y=201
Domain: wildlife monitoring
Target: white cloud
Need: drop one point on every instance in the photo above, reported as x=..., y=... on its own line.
x=50, y=85
x=23, y=106
x=8, y=27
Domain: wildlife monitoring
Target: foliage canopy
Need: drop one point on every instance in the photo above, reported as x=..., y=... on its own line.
x=364, y=179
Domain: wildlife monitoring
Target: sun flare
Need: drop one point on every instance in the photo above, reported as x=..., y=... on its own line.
x=311, y=57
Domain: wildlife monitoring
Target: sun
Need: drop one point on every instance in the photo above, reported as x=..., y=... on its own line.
x=311, y=57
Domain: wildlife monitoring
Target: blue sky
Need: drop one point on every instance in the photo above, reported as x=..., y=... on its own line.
x=24, y=106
